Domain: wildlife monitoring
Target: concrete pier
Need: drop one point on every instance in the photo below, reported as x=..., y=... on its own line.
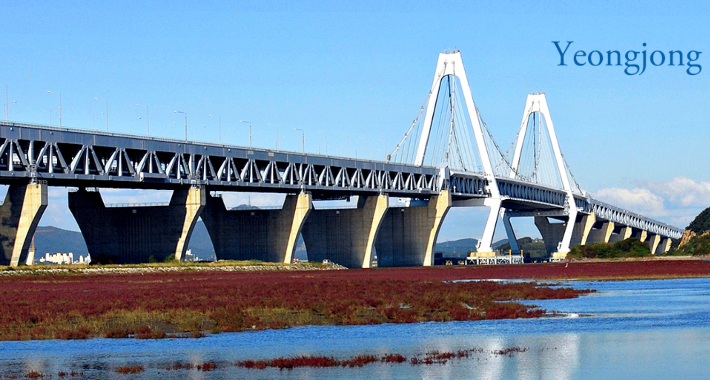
x=623, y=234
x=345, y=236
x=552, y=233
x=653, y=242
x=254, y=234
x=601, y=234
x=408, y=235
x=135, y=234
x=19, y=215
x=663, y=247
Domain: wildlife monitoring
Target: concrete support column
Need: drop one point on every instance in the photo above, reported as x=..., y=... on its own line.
x=552, y=233
x=19, y=215
x=624, y=233
x=124, y=235
x=601, y=235
x=653, y=243
x=194, y=202
x=254, y=234
x=663, y=247
x=510, y=232
x=345, y=236
x=642, y=235
x=582, y=228
x=484, y=248
x=302, y=208
x=408, y=234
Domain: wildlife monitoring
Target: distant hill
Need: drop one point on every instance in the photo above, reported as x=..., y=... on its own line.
x=200, y=242
x=459, y=247
x=52, y=239
x=534, y=248
x=696, y=238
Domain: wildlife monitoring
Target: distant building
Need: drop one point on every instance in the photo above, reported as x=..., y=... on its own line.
x=63, y=258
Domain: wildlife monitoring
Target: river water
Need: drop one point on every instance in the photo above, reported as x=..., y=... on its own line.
x=656, y=329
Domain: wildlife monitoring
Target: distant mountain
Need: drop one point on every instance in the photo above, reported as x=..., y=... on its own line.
x=52, y=239
x=499, y=244
x=200, y=242
x=459, y=247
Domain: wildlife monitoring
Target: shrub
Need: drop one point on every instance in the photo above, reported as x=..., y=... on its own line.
x=623, y=248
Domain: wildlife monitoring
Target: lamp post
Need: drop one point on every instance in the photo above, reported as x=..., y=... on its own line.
x=277, y=136
x=106, y=111
x=248, y=122
x=185, y=122
x=60, y=108
x=326, y=141
x=367, y=147
x=219, y=126
x=147, y=120
x=303, y=140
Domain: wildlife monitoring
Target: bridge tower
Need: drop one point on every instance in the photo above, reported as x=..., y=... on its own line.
x=451, y=64
x=537, y=104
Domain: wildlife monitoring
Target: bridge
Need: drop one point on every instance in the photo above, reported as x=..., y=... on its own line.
x=447, y=158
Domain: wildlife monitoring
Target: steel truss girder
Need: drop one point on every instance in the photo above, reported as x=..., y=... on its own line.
x=518, y=190
x=84, y=157
x=627, y=218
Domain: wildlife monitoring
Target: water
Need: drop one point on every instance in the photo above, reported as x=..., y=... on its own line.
x=628, y=330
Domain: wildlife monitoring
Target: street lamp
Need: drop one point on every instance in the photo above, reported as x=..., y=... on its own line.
x=106, y=111
x=219, y=126
x=277, y=136
x=60, y=109
x=185, y=122
x=326, y=141
x=249, y=122
x=367, y=147
x=147, y=120
x=303, y=140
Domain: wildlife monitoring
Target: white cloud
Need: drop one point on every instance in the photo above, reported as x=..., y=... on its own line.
x=639, y=200
x=681, y=191
x=676, y=202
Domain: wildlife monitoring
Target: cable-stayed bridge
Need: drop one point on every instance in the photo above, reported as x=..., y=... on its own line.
x=447, y=158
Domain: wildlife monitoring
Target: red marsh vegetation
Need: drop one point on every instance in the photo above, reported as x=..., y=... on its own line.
x=186, y=304
x=434, y=357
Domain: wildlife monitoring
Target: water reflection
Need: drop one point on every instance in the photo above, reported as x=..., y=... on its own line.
x=660, y=329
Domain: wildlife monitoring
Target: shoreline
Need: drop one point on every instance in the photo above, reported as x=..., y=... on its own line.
x=160, y=301
x=511, y=271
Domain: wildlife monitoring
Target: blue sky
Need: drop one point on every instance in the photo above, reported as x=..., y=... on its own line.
x=358, y=73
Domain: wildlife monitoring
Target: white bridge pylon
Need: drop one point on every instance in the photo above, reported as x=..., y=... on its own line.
x=537, y=103
x=452, y=64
